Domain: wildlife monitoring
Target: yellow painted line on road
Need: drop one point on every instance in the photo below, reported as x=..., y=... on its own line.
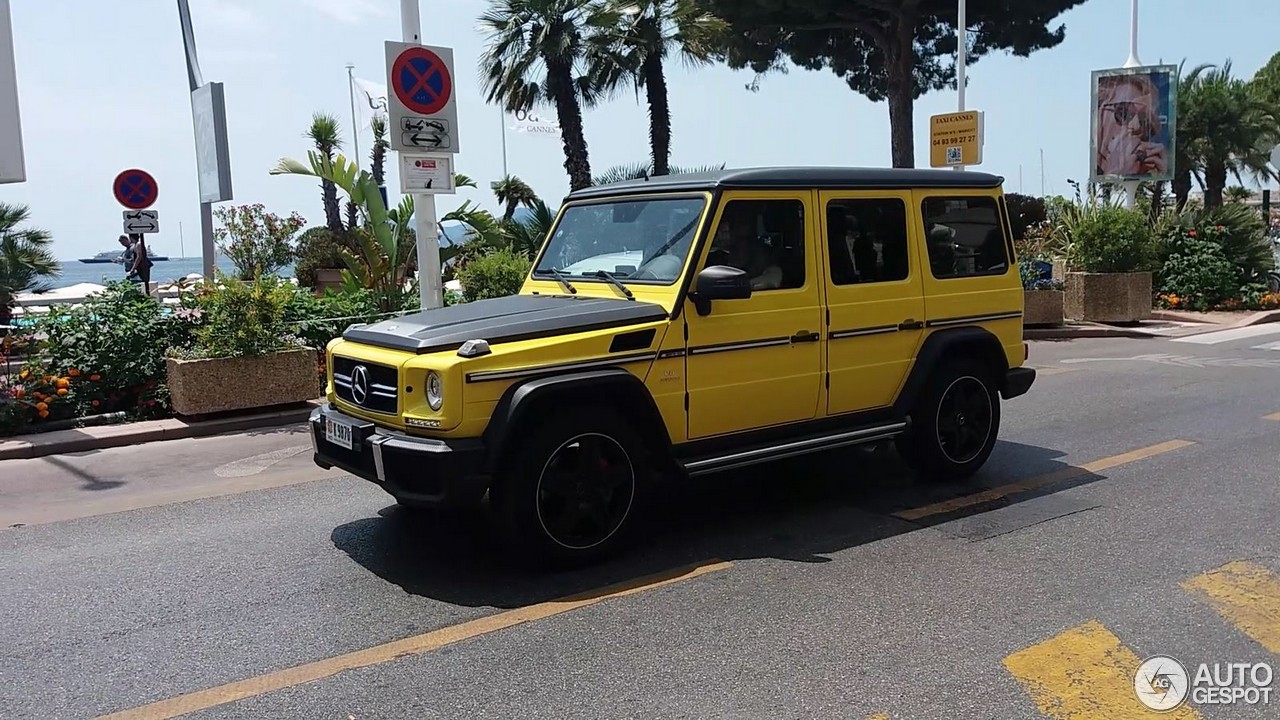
x=879, y=716
x=1272, y=416
x=416, y=645
x=1247, y=595
x=1066, y=473
x=1084, y=673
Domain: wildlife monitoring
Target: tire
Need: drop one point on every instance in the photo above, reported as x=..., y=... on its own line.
x=545, y=476
x=953, y=430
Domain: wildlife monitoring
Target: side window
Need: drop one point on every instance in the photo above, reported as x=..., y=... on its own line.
x=764, y=238
x=965, y=237
x=867, y=240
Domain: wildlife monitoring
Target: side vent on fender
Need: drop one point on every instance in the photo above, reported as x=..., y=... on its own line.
x=638, y=340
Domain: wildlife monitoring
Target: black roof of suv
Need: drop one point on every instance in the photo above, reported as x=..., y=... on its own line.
x=797, y=177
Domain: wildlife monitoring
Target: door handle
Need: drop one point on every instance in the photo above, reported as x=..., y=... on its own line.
x=910, y=324
x=805, y=336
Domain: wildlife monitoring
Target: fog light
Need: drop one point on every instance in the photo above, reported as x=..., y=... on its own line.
x=435, y=391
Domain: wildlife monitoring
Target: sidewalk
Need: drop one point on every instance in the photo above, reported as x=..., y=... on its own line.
x=59, y=442
x=1163, y=323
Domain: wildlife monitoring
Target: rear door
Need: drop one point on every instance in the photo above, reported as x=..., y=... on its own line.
x=873, y=289
x=969, y=278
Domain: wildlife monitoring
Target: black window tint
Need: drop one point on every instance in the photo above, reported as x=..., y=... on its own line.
x=764, y=238
x=964, y=237
x=867, y=240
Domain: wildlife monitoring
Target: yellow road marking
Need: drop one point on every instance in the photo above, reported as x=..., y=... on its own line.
x=1083, y=674
x=1247, y=595
x=1065, y=473
x=1272, y=416
x=416, y=645
x=879, y=716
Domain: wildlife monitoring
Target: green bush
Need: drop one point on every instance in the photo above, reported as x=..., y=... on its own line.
x=241, y=319
x=496, y=274
x=1238, y=229
x=116, y=341
x=1113, y=240
x=1198, y=273
x=317, y=250
x=317, y=320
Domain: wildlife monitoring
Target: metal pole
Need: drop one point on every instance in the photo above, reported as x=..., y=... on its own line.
x=430, y=284
x=1041, y=172
x=355, y=130
x=961, y=52
x=196, y=80
x=504, y=141
x=1131, y=187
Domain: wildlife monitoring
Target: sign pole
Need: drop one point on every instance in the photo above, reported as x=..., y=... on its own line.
x=961, y=53
x=430, y=284
x=1131, y=186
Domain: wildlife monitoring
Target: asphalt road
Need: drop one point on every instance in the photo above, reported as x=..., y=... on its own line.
x=1129, y=511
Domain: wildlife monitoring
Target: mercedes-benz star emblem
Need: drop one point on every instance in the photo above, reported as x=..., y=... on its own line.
x=360, y=384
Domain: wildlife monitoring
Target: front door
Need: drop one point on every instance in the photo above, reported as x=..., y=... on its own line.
x=875, y=294
x=757, y=362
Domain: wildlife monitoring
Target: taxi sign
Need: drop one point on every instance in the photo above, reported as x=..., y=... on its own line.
x=955, y=139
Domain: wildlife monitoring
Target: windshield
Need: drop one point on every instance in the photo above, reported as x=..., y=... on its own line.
x=640, y=240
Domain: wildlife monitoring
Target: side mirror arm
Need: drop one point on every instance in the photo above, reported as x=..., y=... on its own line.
x=700, y=303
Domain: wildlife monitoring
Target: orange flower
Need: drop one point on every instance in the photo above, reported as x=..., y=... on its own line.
x=64, y=383
x=73, y=372
x=42, y=407
x=20, y=393
x=44, y=414
x=48, y=378
x=95, y=377
x=38, y=396
x=23, y=375
x=62, y=391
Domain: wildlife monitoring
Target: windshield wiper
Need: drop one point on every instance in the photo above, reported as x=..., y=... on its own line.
x=606, y=275
x=559, y=276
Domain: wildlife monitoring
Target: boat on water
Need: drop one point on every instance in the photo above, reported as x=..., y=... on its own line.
x=113, y=255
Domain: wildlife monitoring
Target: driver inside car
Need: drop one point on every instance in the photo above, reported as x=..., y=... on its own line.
x=743, y=248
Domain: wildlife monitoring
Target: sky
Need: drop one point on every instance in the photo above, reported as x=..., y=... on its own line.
x=103, y=87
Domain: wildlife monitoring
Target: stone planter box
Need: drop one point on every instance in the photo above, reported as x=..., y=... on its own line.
x=1108, y=297
x=328, y=279
x=201, y=387
x=1042, y=307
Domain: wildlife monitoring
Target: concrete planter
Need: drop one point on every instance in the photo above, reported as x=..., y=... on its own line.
x=1042, y=307
x=201, y=387
x=1108, y=297
x=328, y=279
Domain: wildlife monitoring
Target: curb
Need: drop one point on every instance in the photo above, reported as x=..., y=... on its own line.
x=1067, y=332
x=58, y=442
x=1258, y=318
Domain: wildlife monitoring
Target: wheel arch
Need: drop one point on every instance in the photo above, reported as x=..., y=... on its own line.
x=522, y=400
x=942, y=345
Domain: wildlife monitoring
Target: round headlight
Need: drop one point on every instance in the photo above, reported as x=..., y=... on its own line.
x=435, y=391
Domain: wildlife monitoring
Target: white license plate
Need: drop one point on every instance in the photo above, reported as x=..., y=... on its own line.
x=337, y=433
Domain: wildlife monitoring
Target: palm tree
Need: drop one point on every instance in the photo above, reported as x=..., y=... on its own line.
x=1235, y=131
x=1190, y=130
x=326, y=134
x=538, y=52
x=380, y=147
x=635, y=51
x=525, y=237
x=25, y=259
x=637, y=171
x=513, y=192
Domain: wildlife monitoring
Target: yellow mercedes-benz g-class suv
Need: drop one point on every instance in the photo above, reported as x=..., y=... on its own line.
x=681, y=325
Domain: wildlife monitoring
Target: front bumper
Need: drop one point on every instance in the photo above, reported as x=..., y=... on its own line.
x=419, y=471
x=1017, y=381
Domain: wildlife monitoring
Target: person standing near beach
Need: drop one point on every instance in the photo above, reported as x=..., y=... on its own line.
x=141, y=264
x=126, y=258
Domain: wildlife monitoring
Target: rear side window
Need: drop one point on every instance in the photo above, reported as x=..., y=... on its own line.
x=867, y=240
x=965, y=237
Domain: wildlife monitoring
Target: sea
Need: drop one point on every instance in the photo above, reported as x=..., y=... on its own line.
x=74, y=272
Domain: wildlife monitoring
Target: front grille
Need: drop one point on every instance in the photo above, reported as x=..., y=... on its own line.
x=376, y=391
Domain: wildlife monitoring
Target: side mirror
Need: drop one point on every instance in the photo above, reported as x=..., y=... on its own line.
x=719, y=282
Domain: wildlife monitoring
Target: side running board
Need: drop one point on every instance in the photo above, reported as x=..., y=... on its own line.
x=768, y=453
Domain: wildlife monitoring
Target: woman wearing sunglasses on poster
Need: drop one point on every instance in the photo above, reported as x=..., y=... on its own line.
x=1129, y=128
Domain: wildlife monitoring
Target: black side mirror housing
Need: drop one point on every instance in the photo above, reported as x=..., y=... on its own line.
x=719, y=282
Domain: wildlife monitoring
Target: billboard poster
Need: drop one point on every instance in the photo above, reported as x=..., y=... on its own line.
x=1134, y=124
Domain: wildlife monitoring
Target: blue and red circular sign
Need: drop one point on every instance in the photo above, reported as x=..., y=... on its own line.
x=421, y=81
x=135, y=189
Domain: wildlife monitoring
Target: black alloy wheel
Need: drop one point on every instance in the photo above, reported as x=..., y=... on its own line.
x=963, y=423
x=585, y=491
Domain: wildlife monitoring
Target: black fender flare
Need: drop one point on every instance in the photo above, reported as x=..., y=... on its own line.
x=521, y=398
x=938, y=347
